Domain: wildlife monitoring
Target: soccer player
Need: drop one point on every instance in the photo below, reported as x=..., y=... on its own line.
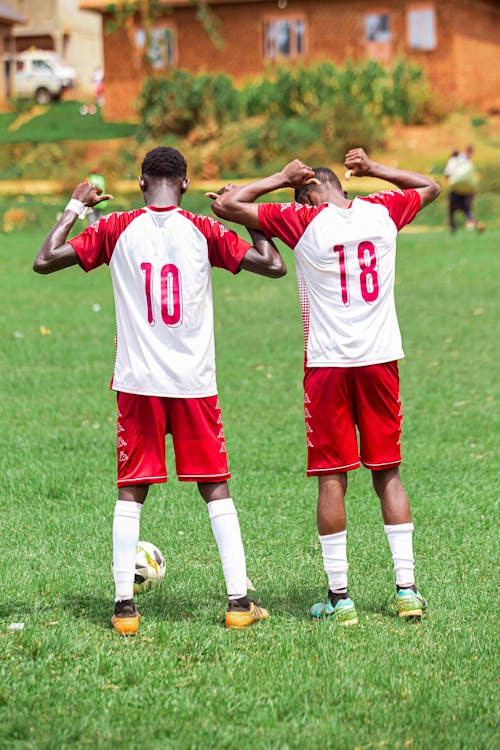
x=345, y=254
x=160, y=258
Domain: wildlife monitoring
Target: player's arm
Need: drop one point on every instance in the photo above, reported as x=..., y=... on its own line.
x=264, y=257
x=238, y=205
x=55, y=253
x=358, y=164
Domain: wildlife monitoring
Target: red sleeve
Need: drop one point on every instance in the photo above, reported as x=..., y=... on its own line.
x=403, y=205
x=225, y=248
x=90, y=246
x=287, y=221
x=94, y=246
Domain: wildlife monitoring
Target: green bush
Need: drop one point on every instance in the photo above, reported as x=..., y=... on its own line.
x=181, y=101
x=318, y=112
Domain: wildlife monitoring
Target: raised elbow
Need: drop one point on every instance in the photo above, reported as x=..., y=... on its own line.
x=277, y=268
x=41, y=266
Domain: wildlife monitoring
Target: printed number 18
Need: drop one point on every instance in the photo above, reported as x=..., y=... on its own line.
x=368, y=279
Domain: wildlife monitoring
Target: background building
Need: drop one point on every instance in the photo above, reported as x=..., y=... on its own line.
x=456, y=41
x=62, y=26
x=8, y=18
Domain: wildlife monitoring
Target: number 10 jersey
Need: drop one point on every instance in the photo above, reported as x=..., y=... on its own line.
x=160, y=261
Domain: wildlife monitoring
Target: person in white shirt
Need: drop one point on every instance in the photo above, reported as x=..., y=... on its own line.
x=462, y=179
x=160, y=258
x=345, y=253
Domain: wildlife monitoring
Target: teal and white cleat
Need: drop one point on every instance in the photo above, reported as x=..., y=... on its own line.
x=410, y=603
x=344, y=612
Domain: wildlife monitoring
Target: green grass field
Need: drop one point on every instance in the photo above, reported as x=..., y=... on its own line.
x=61, y=121
x=68, y=681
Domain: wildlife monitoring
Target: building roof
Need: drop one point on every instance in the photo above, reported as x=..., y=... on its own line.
x=103, y=6
x=8, y=15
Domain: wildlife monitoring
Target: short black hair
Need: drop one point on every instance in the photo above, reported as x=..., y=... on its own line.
x=323, y=174
x=164, y=163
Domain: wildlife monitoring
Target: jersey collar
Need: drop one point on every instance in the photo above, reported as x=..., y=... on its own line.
x=161, y=208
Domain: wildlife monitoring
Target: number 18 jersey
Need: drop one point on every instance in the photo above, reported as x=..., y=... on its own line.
x=160, y=261
x=345, y=261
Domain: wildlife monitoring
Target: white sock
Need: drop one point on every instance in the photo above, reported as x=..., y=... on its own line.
x=126, y=523
x=334, y=548
x=400, y=538
x=226, y=530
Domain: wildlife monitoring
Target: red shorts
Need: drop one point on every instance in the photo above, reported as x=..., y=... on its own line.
x=197, y=433
x=339, y=399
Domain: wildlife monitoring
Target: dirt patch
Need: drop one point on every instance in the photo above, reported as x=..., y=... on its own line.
x=25, y=117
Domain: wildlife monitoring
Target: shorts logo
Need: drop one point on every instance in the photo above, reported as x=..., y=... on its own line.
x=222, y=448
x=220, y=436
x=121, y=443
x=123, y=457
x=307, y=415
x=119, y=428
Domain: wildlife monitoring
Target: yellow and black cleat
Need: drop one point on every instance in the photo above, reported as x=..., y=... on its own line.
x=241, y=616
x=125, y=618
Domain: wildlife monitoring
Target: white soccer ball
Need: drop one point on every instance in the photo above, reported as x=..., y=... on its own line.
x=149, y=567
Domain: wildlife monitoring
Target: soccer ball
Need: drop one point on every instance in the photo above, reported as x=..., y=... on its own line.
x=149, y=567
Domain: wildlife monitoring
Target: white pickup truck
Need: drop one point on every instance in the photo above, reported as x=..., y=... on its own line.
x=40, y=75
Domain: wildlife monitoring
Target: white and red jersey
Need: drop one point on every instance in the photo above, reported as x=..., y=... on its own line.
x=345, y=260
x=160, y=261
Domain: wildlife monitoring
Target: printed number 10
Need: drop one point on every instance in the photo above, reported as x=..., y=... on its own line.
x=368, y=279
x=171, y=298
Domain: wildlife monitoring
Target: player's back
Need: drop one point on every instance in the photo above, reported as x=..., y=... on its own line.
x=345, y=262
x=160, y=261
x=163, y=295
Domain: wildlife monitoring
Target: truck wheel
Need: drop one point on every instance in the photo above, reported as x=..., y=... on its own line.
x=42, y=96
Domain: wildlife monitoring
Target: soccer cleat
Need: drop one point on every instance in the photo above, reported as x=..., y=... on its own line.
x=238, y=616
x=343, y=612
x=410, y=603
x=125, y=619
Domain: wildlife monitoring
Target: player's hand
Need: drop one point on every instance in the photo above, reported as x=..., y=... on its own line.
x=90, y=194
x=297, y=174
x=357, y=163
x=221, y=191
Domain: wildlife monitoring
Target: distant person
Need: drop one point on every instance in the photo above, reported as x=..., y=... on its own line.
x=461, y=175
x=345, y=255
x=98, y=180
x=98, y=81
x=161, y=259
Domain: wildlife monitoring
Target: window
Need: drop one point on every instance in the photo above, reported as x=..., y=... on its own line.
x=157, y=45
x=41, y=67
x=284, y=37
x=422, y=28
x=377, y=27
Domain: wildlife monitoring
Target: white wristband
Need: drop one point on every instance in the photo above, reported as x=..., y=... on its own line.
x=79, y=208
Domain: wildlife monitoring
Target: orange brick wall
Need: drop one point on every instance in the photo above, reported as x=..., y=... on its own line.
x=461, y=66
x=477, y=55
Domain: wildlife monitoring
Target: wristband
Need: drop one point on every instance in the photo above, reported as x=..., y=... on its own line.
x=79, y=208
